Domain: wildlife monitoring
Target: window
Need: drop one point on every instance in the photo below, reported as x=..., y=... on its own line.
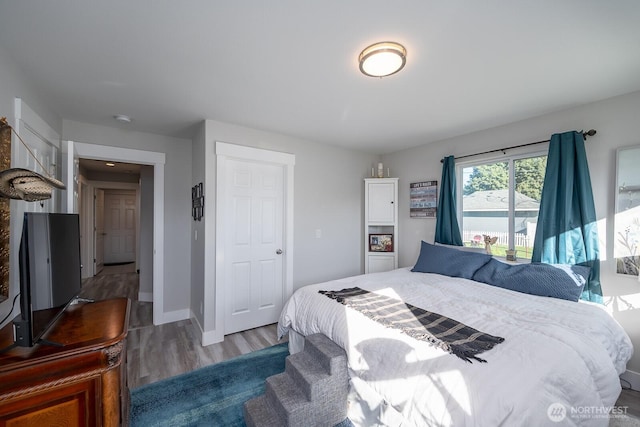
x=501, y=199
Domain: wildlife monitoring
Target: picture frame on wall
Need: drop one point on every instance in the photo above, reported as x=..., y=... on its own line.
x=423, y=199
x=380, y=242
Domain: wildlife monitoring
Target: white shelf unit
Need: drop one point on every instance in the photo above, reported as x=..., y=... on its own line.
x=380, y=217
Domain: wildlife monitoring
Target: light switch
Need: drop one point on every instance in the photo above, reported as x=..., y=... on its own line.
x=318, y=233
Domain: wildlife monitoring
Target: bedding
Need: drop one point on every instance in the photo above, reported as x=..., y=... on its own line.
x=547, y=280
x=448, y=334
x=449, y=261
x=555, y=354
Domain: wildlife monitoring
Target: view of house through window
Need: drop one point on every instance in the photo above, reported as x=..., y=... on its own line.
x=501, y=199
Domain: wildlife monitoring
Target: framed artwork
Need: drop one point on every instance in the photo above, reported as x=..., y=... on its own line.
x=380, y=242
x=626, y=249
x=423, y=199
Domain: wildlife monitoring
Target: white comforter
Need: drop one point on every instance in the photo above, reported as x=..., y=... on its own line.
x=556, y=354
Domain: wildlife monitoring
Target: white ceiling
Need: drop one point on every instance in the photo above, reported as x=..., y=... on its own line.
x=290, y=66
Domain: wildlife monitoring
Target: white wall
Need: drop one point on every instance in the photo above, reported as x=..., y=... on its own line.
x=14, y=85
x=145, y=291
x=616, y=121
x=177, y=196
x=198, y=230
x=328, y=196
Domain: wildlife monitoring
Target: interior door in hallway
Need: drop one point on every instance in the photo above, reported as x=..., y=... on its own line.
x=119, y=226
x=98, y=228
x=254, y=238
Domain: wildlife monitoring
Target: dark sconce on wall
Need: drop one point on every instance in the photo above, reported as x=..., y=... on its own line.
x=197, y=202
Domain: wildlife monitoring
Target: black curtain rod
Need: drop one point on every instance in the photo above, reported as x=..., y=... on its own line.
x=584, y=135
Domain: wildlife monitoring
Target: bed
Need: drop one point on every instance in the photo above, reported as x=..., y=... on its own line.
x=558, y=359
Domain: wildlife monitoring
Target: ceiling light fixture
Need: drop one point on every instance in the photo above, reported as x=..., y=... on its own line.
x=122, y=118
x=382, y=59
x=110, y=164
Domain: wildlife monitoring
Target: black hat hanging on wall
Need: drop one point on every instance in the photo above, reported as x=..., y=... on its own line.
x=24, y=184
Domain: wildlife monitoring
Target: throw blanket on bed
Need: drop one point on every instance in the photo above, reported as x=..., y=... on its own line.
x=445, y=333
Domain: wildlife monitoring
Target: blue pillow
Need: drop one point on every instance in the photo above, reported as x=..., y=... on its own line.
x=448, y=261
x=548, y=280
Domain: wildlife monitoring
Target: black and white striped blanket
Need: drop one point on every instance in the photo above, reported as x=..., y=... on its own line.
x=441, y=331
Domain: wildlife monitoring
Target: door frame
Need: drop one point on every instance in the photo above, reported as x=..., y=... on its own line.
x=157, y=160
x=224, y=152
x=97, y=208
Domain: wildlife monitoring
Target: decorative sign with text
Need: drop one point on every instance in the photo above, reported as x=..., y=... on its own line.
x=423, y=199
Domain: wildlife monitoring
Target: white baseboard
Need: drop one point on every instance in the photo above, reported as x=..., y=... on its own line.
x=174, y=316
x=631, y=378
x=194, y=317
x=145, y=296
x=208, y=337
x=211, y=337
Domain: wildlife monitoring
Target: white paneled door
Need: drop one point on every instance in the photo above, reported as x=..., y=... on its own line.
x=98, y=228
x=254, y=204
x=119, y=227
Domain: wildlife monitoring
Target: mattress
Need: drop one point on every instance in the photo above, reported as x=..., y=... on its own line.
x=559, y=358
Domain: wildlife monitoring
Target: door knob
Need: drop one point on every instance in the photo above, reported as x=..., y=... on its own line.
x=279, y=252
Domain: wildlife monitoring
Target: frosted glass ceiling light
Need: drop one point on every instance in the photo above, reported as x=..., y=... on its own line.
x=382, y=59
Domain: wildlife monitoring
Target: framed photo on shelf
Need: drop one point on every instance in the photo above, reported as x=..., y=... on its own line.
x=380, y=242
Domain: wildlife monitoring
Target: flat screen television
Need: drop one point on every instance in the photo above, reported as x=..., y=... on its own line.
x=50, y=277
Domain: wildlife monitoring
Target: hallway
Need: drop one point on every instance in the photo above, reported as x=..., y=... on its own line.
x=158, y=352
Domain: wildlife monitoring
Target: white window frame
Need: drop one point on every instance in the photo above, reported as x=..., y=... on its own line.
x=510, y=159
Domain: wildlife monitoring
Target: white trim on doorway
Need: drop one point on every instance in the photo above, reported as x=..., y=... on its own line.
x=157, y=160
x=223, y=152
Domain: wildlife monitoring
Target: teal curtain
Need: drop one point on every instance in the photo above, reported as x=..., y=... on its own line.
x=567, y=232
x=447, y=229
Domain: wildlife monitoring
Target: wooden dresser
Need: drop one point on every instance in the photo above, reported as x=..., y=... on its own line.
x=83, y=383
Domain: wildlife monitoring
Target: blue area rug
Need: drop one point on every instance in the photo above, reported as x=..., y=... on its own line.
x=210, y=396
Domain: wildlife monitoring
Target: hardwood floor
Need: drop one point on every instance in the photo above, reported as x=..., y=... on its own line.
x=158, y=352
x=630, y=400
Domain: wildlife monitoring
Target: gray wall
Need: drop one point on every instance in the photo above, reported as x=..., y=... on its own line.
x=177, y=199
x=14, y=85
x=616, y=121
x=198, y=230
x=328, y=195
x=145, y=292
